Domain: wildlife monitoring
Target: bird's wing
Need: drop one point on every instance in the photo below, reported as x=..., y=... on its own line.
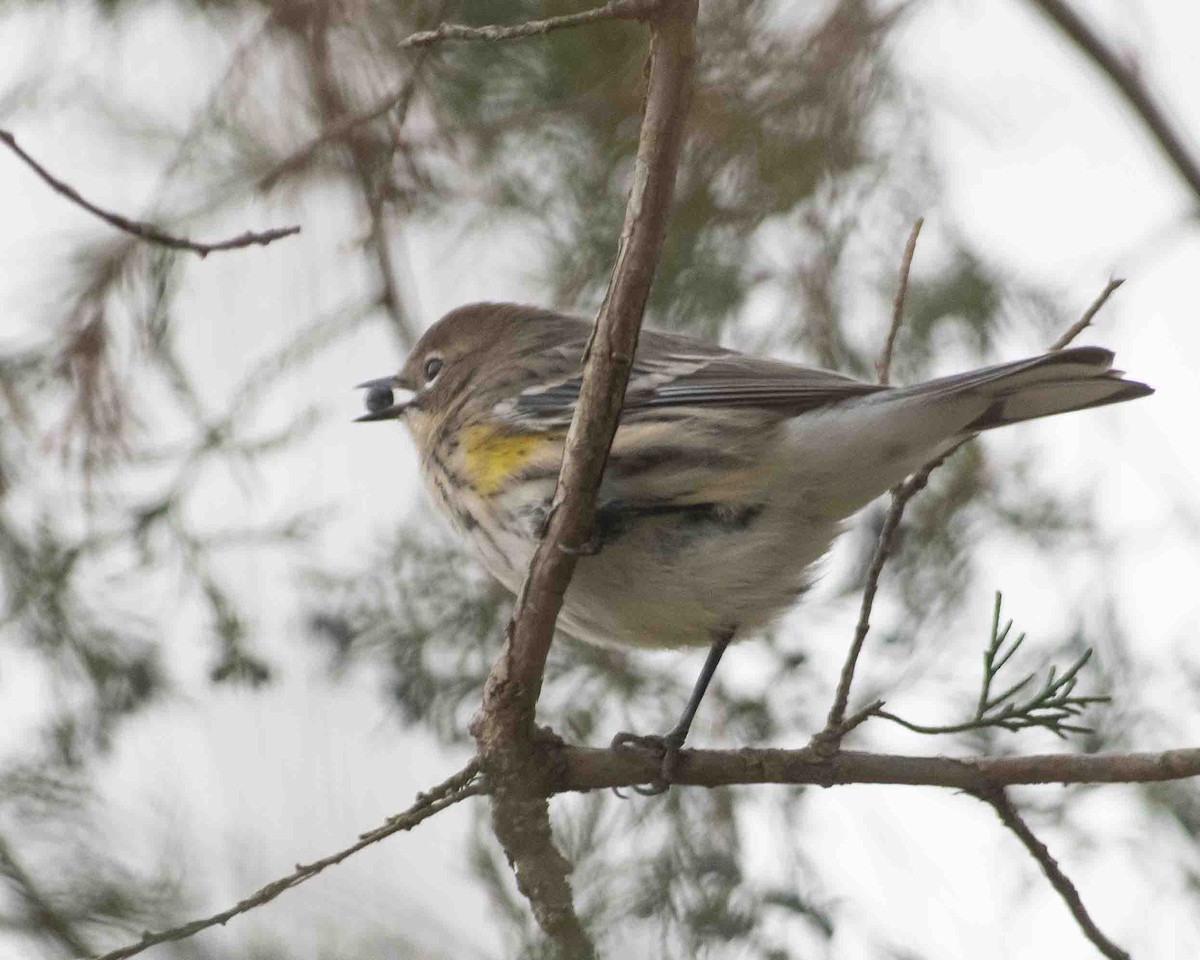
x=670, y=372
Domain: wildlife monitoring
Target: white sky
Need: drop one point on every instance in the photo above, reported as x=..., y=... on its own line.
x=1044, y=168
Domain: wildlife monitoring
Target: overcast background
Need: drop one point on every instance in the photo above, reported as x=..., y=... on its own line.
x=1043, y=168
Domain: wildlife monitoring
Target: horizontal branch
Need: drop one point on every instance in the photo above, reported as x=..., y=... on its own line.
x=138, y=228
x=586, y=768
x=616, y=10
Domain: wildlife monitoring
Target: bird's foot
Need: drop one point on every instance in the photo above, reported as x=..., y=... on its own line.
x=666, y=747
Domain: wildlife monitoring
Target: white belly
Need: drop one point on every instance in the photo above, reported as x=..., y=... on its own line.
x=668, y=580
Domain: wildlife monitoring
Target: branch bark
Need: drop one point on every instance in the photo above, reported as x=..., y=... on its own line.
x=999, y=801
x=138, y=228
x=1125, y=76
x=504, y=727
x=586, y=768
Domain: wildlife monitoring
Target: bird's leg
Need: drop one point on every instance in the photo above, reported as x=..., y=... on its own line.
x=670, y=744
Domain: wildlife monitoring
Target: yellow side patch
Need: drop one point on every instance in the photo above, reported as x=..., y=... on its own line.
x=491, y=456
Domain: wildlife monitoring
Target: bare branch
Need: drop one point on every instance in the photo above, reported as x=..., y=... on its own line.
x=458, y=787
x=1088, y=315
x=1008, y=814
x=515, y=682
x=1128, y=80
x=587, y=768
x=883, y=366
x=522, y=825
x=504, y=726
x=616, y=10
x=139, y=229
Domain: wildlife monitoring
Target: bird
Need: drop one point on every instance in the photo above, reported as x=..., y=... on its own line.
x=729, y=476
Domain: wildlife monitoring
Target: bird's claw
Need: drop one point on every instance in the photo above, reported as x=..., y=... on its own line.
x=667, y=747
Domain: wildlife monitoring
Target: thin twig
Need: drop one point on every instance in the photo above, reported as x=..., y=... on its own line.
x=1009, y=816
x=345, y=126
x=883, y=365
x=1088, y=315
x=836, y=726
x=367, y=168
x=1128, y=79
x=138, y=228
x=902, y=493
x=458, y=787
x=617, y=10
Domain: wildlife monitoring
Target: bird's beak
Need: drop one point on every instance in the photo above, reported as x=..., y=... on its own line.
x=388, y=413
x=380, y=401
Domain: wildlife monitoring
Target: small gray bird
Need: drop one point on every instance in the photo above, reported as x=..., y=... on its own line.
x=728, y=478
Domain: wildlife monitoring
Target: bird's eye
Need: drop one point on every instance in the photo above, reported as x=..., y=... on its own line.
x=433, y=366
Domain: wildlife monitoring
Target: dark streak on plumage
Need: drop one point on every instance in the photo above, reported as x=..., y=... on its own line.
x=616, y=518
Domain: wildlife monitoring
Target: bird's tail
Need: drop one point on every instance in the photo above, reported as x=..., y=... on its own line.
x=1059, y=382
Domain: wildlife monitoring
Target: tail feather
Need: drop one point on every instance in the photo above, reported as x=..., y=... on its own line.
x=1060, y=382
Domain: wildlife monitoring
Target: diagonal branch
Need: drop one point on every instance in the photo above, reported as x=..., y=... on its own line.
x=1009, y=816
x=828, y=740
x=461, y=785
x=1088, y=315
x=504, y=727
x=137, y=228
x=1125, y=75
x=512, y=689
x=39, y=905
x=883, y=366
x=837, y=726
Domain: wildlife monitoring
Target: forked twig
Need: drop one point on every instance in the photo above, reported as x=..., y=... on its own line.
x=1051, y=706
